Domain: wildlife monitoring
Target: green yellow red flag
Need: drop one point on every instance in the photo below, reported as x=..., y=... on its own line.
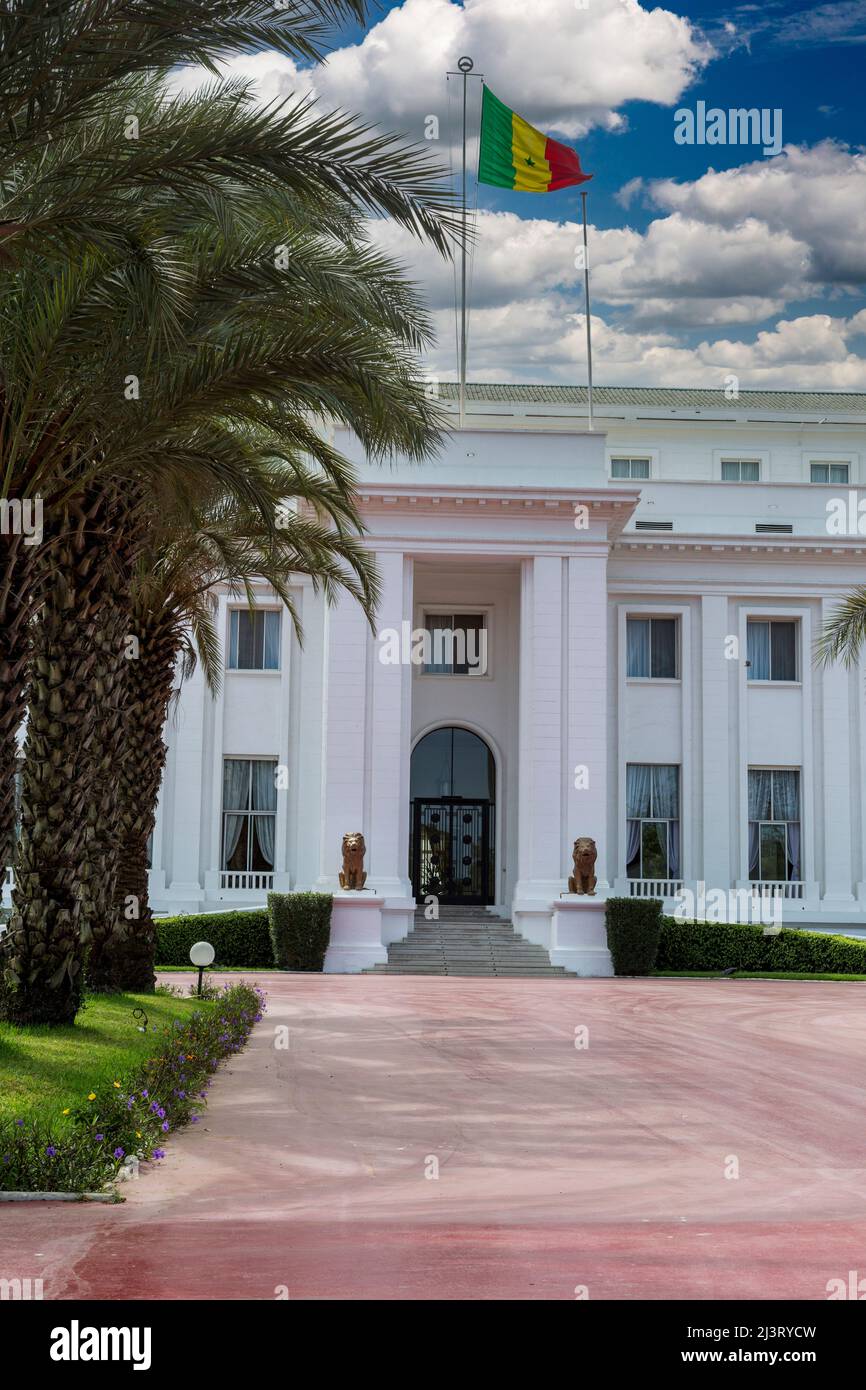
x=516, y=155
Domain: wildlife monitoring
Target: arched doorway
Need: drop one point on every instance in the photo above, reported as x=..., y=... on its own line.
x=453, y=800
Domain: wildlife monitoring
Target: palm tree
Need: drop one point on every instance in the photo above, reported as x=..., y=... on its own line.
x=212, y=157
x=236, y=347
x=844, y=634
x=173, y=625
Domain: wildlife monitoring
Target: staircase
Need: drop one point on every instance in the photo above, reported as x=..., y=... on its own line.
x=466, y=941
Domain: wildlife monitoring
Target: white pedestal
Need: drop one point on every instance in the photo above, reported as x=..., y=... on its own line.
x=356, y=934
x=579, y=936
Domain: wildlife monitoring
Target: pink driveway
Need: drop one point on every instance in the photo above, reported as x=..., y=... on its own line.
x=609, y=1167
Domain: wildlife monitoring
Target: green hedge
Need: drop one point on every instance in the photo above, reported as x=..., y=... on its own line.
x=239, y=938
x=633, y=930
x=300, y=929
x=718, y=946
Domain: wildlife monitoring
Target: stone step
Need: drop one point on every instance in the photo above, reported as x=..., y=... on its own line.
x=467, y=942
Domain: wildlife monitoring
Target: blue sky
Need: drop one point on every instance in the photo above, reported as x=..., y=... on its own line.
x=705, y=259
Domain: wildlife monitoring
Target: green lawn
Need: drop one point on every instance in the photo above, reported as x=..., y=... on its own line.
x=43, y=1070
x=753, y=975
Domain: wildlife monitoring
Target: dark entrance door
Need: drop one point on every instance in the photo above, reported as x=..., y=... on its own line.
x=453, y=818
x=451, y=851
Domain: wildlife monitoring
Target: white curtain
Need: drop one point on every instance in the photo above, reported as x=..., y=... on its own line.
x=760, y=785
x=236, y=773
x=758, y=651
x=265, y=799
x=674, y=848
x=637, y=637
x=754, y=850
x=786, y=796
x=272, y=641
x=666, y=792
x=638, y=783
x=633, y=843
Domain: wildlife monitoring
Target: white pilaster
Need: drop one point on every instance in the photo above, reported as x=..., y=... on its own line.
x=837, y=742
x=588, y=700
x=344, y=726
x=716, y=753
x=190, y=754
x=390, y=737
x=541, y=745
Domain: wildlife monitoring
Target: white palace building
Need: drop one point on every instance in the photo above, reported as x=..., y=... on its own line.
x=628, y=618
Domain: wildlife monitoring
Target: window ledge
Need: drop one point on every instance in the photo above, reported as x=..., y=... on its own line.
x=776, y=685
x=653, y=680
x=250, y=671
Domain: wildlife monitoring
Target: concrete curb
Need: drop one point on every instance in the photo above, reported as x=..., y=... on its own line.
x=57, y=1197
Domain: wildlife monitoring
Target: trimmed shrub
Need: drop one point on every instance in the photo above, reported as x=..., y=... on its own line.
x=239, y=938
x=721, y=945
x=300, y=929
x=633, y=931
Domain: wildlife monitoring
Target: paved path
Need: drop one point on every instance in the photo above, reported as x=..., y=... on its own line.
x=559, y=1167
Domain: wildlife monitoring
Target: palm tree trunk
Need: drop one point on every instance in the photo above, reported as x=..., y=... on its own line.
x=99, y=919
x=44, y=949
x=16, y=581
x=140, y=768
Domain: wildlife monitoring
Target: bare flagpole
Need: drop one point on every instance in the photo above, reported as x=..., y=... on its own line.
x=588, y=315
x=466, y=66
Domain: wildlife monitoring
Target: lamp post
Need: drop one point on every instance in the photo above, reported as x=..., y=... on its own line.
x=201, y=954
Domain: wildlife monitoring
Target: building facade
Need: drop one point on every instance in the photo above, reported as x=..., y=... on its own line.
x=605, y=633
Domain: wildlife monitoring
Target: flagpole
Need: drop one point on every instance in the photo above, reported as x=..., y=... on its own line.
x=465, y=65
x=588, y=315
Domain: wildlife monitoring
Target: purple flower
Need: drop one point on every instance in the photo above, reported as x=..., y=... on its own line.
x=159, y=1153
x=118, y=1153
x=165, y=1126
x=51, y=1151
x=144, y=1095
x=193, y=1119
x=161, y=1113
x=99, y=1138
x=19, y=1122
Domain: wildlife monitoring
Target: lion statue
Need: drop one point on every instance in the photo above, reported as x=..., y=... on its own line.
x=352, y=875
x=585, y=853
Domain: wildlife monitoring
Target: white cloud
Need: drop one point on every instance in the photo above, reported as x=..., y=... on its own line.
x=814, y=194
x=566, y=68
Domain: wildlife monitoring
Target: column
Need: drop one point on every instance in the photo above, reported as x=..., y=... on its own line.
x=390, y=736
x=188, y=801
x=344, y=750
x=837, y=744
x=715, y=866
x=587, y=707
x=541, y=748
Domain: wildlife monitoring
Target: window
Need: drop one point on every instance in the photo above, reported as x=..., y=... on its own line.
x=828, y=472
x=455, y=644
x=774, y=825
x=249, y=814
x=741, y=470
x=254, y=639
x=771, y=650
x=653, y=821
x=651, y=648
x=629, y=468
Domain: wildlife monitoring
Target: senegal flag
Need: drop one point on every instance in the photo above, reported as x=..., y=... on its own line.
x=516, y=155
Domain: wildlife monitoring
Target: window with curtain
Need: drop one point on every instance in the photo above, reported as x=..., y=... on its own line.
x=774, y=824
x=771, y=650
x=828, y=473
x=249, y=814
x=652, y=820
x=651, y=648
x=456, y=644
x=629, y=468
x=254, y=639
x=741, y=470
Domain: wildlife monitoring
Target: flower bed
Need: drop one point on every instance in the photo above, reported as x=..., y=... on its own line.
x=133, y=1115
